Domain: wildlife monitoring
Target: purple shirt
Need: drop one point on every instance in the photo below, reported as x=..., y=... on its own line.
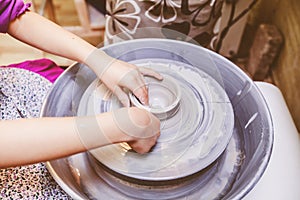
x=10, y=10
x=44, y=67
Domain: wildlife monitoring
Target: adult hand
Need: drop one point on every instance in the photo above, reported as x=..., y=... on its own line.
x=118, y=75
x=140, y=126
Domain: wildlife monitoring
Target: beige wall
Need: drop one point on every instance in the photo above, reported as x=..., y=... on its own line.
x=285, y=14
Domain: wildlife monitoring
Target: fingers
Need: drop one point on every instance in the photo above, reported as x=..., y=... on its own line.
x=117, y=74
x=149, y=72
x=135, y=82
x=142, y=126
x=140, y=90
x=143, y=146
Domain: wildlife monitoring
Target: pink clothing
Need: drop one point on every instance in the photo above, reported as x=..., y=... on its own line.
x=43, y=67
x=10, y=10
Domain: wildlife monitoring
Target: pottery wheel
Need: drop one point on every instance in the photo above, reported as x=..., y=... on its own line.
x=190, y=140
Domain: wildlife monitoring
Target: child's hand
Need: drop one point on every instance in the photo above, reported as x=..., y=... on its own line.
x=122, y=75
x=140, y=127
x=118, y=75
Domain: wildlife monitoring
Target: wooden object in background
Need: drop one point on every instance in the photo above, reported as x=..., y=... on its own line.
x=265, y=47
x=91, y=22
x=285, y=16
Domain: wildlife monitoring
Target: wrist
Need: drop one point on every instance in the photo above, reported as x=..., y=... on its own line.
x=99, y=62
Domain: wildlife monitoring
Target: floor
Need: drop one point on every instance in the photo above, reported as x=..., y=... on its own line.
x=14, y=51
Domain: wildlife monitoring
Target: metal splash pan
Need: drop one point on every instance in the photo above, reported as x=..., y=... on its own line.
x=229, y=175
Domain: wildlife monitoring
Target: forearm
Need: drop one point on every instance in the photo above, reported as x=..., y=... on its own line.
x=27, y=141
x=39, y=32
x=43, y=34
